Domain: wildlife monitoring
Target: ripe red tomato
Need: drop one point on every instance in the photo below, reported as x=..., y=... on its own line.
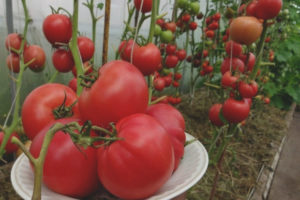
x=250, y=10
x=193, y=26
x=147, y=59
x=86, y=48
x=236, y=63
x=173, y=122
x=159, y=83
x=228, y=80
x=248, y=90
x=87, y=69
x=251, y=61
x=37, y=53
x=214, y=113
x=170, y=26
x=73, y=84
x=13, y=62
x=267, y=9
x=181, y=54
x=268, y=39
x=175, y=84
x=125, y=49
x=177, y=76
x=171, y=49
x=213, y=26
x=245, y=29
x=62, y=60
x=119, y=91
x=235, y=111
x=139, y=164
x=57, y=28
x=10, y=147
x=13, y=41
x=160, y=22
x=210, y=34
x=216, y=17
x=208, y=69
x=204, y=53
x=186, y=17
x=146, y=7
x=168, y=81
x=80, y=178
x=38, y=107
x=233, y=48
x=171, y=61
x=266, y=100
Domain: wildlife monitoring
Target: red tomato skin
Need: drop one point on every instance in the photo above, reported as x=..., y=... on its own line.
x=251, y=61
x=57, y=28
x=248, y=90
x=235, y=111
x=267, y=9
x=168, y=81
x=119, y=91
x=10, y=147
x=37, y=109
x=193, y=26
x=171, y=49
x=68, y=171
x=13, y=62
x=86, y=48
x=146, y=7
x=62, y=60
x=171, y=61
x=73, y=84
x=214, y=112
x=237, y=64
x=233, y=48
x=125, y=49
x=147, y=59
x=37, y=53
x=170, y=26
x=181, y=54
x=173, y=122
x=13, y=40
x=251, y=8
x=87, y=68
x=228, y=80
x=139, y=164
x=159, y=83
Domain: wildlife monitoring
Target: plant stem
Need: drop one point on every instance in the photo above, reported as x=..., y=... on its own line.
x=184, y=68
x=74, y=47
x=150, y=88
x=153, y=19
x=53, y=77
x=174, y=13
x=106, y=32
x=90, y=6
x=8, y=131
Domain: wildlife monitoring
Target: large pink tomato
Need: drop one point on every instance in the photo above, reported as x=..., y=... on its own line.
x=136, y=166
x=119, y=91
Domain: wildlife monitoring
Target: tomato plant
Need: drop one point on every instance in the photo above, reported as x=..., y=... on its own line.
x=36, y=56
x=62, y=60
x=10, y=147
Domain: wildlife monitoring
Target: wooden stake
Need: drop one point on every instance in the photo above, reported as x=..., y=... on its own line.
x=106, y=32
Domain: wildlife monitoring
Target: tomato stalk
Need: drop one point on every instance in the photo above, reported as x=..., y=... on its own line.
x=153, y=20
x=16, y=118
x=259, y=50
x=106, y=32
x=175, y=9
x=74, y=47
x=186, y=50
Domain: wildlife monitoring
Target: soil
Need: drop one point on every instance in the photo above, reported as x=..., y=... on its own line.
x=245, y=155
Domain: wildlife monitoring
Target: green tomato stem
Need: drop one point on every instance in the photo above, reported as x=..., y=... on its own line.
x=150, y=87
x=153, y=20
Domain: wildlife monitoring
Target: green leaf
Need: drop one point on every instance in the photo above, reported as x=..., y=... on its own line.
x=271, y=88
x=100, y=6
x=294, y=91
x=282, y=101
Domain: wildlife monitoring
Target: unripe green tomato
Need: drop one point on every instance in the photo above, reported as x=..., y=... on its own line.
x=157, y=30
x=209, y=42
x=166, y=36
x=195, y=8
x=286, y=12
x=182, y=4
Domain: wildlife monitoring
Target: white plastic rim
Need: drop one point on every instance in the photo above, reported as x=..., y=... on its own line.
x=191, y=169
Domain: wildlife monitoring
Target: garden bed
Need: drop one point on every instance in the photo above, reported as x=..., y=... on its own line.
x=254, y=147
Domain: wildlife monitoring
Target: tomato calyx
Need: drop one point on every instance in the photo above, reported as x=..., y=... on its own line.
x=64, y=111
x=89, y=79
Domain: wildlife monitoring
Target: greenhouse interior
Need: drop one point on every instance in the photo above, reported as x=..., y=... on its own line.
x=150, y=99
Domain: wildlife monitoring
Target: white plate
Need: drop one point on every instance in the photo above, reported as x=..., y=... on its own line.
x=189, y=172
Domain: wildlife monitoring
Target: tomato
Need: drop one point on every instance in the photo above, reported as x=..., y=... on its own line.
x=210, y=34
x=235, y=111
x=236, y=64
x=147, y=59
x=213, y=26
x=266, y=100
x=208, y=69
x=168, y=81
x=233, y=49
x=166, y=36
x=160, y=22
x=248, y=90
x=68, y=169
x=204, y=53
x=177, y=76
x=159, y=83
x=170, y=26
x=10, y=147
x=175, y=84
x=13, y=41
x=182, y=4
x=251, y=61
x=157, y=30
x=125, y=49
x=181, y=54
x=267, y=9
x=139, y=164
x=86, y=48
x=171, y=61
x=171, y=49
x=87, y=68
x=37, y=53
x=228, y=80
x=62, y=60
x=146, y=7
x=186, y=17
x=38, y=107
x=208, y=20
x=251, y=8
x=216, y=16
x=245, y=29
x=73, y=84
x=200, y=15
x=57, y=28
x=214, y=115
x=193, y=26
x=194, y=7
x=173, y=122
x=268, y=39
x=119, y=91
x=13, y=62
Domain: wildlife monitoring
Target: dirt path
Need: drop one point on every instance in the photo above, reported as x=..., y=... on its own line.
x=286, y=182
